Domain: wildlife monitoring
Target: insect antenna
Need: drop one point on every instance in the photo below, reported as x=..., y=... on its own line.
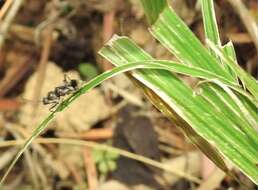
x=25, y=100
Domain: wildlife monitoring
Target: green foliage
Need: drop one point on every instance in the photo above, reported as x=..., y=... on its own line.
x=80, y=186
x=106, y=161
x=66, y=8
x=219, y=117
x=87, y=70
x=152, y=8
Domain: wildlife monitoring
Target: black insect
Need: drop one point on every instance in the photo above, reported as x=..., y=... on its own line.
x=54, y=97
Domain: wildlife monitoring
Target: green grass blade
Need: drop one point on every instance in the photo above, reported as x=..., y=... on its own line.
x=210, y=151
x=174, y=34
x=212, y=32
x=229, y=51
x=248, y=81
x=152, y=8
x=203, y=117
x=153, y=64
x=210, y=23
x=227, y=103
x=119, y=51
x=35, y=133
x=89, y=85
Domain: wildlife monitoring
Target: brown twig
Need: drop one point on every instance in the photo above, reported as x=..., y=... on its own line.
x=5, y=24
x=28, y=157
x=107, y=148
x=23, y=33
x=92, y=134
x=7, y=156
x=48, y=160
x=5, y=8
x=240, y=38
x=43, y=64
x=2, y=59
x=77, y=177
x=9, y=104
x=247, y=19
x=90, y=169
x=108, y=30
x=14, y=75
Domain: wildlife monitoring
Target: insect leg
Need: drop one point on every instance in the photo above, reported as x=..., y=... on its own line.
x=66, y=79
x=54, y=104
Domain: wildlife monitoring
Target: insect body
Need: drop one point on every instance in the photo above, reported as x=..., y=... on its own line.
x=53, y=97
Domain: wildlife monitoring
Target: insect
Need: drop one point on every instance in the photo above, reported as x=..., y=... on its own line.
x=54, y=97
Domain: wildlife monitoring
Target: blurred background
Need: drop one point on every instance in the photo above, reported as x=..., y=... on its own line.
x=41, y=41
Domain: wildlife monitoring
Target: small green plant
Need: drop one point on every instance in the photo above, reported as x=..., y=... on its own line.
x=87, y=71
x=106, y=161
